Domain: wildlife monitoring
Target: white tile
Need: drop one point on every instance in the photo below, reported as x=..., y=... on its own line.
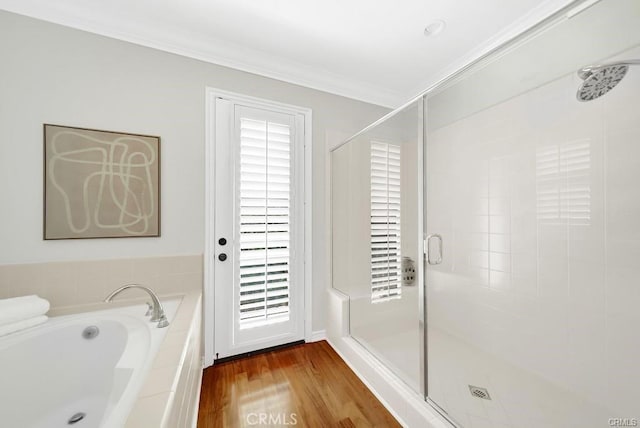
x=499, y=261
x=160, y=380
x=623, y=376
x=500, y=243
x=168, y=356
x=148, y=413
x=499, y=224
x=558, y=327
x=623, y=293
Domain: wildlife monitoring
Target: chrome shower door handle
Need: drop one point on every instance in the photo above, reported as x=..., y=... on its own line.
x=434, y=260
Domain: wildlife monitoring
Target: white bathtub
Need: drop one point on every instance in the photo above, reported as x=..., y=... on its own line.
x=51, y=372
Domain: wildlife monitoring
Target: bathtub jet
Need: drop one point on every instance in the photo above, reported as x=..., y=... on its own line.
x=600, y=79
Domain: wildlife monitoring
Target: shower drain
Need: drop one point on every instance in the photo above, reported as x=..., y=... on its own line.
x=476, y=391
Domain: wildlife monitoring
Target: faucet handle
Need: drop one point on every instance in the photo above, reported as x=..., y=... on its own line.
x=149, y=309
x=163, y=322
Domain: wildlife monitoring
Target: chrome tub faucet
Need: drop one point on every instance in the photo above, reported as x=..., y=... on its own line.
x=156, y=309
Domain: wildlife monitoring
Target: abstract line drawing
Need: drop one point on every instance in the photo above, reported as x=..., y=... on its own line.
x=100, y=184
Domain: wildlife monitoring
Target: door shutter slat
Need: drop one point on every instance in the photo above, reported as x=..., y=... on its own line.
x=264, y=198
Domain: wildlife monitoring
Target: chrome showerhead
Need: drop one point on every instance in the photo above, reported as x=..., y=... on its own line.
x=600, y=79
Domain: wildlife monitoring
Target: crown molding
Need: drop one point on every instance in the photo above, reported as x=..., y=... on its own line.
x=214, y=51
x=519, y=26
x=224, y=53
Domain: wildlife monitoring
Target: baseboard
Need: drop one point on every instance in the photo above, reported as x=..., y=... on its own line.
x=368, y=385
x=410, y=409
x=317, y=336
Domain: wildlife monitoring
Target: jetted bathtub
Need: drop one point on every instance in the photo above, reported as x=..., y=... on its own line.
x=82, y=371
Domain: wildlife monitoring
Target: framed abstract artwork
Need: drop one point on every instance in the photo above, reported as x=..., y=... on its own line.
x=100, y=184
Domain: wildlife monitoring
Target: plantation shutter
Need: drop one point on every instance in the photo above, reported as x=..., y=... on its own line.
x=385, y=222
x=264, y=196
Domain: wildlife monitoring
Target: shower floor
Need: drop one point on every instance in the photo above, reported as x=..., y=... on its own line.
x=398, y=350
x=519, y=398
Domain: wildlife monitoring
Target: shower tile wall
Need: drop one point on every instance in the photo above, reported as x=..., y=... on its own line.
x=538, y=201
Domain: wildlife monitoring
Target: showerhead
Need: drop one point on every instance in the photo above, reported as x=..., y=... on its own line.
x=600, y=79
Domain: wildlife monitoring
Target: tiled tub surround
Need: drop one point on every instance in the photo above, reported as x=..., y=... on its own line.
x=99, y=376
x=73, y=283
x=169, y=396
x=170, y=393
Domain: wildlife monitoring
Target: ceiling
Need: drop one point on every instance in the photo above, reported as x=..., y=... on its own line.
x=372, y=51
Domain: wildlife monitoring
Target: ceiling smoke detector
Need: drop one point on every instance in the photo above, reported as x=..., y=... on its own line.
x=435, y=28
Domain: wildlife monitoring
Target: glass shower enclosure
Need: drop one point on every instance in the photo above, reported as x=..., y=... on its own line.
x=487, y=233
x=376, y=240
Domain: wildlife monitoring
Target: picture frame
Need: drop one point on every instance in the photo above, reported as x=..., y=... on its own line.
x=100, y=184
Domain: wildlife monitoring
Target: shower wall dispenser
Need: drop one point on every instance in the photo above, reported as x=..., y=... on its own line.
x=408, y=268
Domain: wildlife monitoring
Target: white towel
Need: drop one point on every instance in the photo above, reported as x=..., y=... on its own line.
x=21, y=308
x=21, y=325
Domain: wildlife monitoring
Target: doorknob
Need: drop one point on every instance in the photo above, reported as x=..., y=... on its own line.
x=222, y=241
x=222, y=257
x=436, y=257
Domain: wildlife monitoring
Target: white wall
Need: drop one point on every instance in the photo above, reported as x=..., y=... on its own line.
x=53, y=74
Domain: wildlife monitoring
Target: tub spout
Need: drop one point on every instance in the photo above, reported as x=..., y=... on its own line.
x=157, y=311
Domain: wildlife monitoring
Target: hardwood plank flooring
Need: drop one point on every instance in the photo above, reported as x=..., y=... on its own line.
x=304, y=386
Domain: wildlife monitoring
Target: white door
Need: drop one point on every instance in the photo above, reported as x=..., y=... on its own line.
x=258, y=227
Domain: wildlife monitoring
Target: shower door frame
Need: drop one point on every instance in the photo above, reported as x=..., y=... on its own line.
x=567, y=11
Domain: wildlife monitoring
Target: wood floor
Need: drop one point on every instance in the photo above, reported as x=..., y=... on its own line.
x=304, y=386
